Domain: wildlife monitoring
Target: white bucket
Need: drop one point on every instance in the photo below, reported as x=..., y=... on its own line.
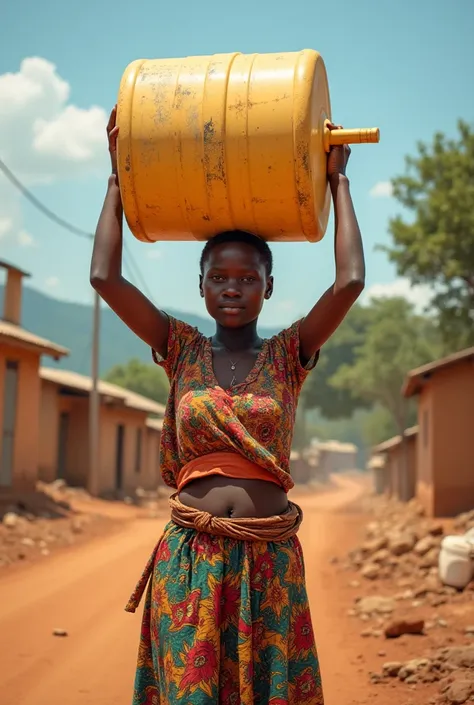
x=456, y=561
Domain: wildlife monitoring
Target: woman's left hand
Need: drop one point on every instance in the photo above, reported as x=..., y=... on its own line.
x=338, y=156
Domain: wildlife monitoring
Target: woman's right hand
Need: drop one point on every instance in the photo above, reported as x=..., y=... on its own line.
x=112, y=132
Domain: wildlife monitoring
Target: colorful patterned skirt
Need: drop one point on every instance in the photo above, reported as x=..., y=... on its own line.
x=227, y=622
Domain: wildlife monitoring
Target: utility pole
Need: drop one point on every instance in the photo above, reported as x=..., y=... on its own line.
x=94, y=404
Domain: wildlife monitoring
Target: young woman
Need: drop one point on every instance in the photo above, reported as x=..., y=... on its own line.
x=226, y=617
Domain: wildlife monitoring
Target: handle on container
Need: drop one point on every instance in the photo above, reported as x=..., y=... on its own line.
x=362, y=135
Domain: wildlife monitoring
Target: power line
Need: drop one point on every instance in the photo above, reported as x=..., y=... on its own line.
x=136, y=272
x=44, y=209
x=133, y=267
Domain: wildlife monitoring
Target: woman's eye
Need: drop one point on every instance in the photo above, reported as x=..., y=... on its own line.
x=249, y=280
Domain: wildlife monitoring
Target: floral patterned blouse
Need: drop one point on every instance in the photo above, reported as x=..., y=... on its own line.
x=255, y=418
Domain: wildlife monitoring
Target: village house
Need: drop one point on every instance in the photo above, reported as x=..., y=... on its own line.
x=377, y=467
x=128, y=438
x=20, y=386
x=394, y=463
x=445, y=448
x=335, y=456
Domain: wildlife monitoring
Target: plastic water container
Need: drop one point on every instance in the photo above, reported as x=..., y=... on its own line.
x=469, y=536
x=228, y=141
x=456, y=561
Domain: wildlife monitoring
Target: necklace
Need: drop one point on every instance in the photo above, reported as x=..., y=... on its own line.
x=233, y=365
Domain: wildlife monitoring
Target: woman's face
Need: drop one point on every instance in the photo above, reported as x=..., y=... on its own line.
x=235, y=284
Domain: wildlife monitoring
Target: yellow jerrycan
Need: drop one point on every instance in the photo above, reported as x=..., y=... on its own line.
x=230, y=141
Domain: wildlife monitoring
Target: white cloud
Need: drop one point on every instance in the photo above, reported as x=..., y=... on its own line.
x=154, y=254
x=52, y=282
x=5, y=226
x=383, y=189
x=25, y=239
x=420, y=296
x=43, y=137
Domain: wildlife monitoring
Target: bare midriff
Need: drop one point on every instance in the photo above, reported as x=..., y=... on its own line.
x=229, y=485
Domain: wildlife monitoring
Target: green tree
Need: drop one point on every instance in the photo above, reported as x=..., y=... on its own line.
x=396, y=341
x=146, y=379
x=318, y=392
x=436, y=245
x=378, y=425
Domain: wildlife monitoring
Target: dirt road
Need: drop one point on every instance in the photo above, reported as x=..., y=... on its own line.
x=84, y=590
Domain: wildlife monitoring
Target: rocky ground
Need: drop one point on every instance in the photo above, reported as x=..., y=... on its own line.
x=423, y=630
x=35, y=524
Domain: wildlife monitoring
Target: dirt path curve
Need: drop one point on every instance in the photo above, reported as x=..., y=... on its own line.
x=84, y=590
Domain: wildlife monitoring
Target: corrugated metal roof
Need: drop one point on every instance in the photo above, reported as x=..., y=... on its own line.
x=73, y=380
x=12, y=333
x=395, y=441
x=337, y=446
x=415, y=378
x=137, y=401
x=13, y=268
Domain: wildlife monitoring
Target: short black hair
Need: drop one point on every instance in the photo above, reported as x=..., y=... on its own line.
x=239, y=236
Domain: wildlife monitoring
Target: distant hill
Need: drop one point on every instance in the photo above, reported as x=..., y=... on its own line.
x=70, y=325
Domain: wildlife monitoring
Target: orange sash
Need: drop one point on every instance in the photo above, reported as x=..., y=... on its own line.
x=225, y=464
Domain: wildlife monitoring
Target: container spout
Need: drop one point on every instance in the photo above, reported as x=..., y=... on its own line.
x=361, y=135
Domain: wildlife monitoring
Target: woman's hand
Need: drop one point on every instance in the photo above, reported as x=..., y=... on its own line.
x=338, y=157
x=112, y=132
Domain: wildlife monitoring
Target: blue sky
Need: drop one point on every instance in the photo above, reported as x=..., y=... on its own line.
x=403, y=66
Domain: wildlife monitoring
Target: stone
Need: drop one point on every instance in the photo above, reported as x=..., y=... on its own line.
x=422, y=590
x=463, y=520
x=458, y=656
x=27, y=541
x=10, y=520
x=400, y=627
x=413, y=666
x=370, y=571
x=59, y=484
x=399, y=544
x=437, y=600
x=382, y=556
x=76, y=526
x=405, y=583
x=430, y=559
x=405, y=595
x=375, y=604
x=469, y=630
x=460, y=691
x=375, y=545
x=392, y=668
x=424, y=545
x=436, y=529
x=371, y=633
x=59, y=632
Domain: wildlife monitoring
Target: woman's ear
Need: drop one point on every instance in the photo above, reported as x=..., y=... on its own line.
x=269, y=288
x=201, y=290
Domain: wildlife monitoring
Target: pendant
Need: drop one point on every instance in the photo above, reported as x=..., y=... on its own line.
x=232, y=367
